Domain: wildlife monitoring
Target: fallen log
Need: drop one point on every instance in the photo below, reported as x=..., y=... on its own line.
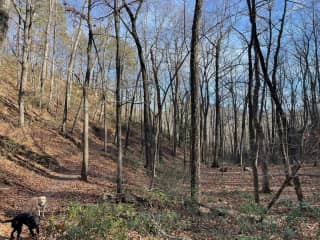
x=286, y=182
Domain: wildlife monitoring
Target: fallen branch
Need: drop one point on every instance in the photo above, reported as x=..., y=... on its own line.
x=286, y=182
x=220, y=211
x=232, y=213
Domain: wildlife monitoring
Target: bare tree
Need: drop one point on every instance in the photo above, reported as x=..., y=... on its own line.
x=85, y=141
x=253, y=108
x=195, y=111
x=281, y=119
x=118, y=96
x=27, y=28
x=146, y=92
x=69, y=73
x=44, y=70
x=53, y=59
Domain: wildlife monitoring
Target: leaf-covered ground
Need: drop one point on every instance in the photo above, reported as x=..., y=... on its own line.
x=40, y=161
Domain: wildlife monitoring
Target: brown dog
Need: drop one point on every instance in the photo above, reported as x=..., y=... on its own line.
x=37, y=205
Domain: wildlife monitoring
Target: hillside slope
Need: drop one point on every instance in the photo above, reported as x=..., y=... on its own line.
x=38, y=160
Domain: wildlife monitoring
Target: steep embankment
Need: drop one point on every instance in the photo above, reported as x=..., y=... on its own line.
x=38, y=160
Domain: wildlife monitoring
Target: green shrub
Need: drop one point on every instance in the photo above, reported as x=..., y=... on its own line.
x=168, y=220
x=251, y=207
x=246, y=226
x=290, y=234
x=143, y=224
x=94, y=222
x=113, y=221
x=293, y=216
x=310, y=211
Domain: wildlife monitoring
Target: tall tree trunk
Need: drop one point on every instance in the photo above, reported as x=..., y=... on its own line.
x=205, y=96
x=243, y=131
x=281, y=119
x=27, y=27
x=158, y=118
x=315, y=28
x=235, y=151
x=186, y=130
x=118, y=97
x=69, y=75
x=46, y=53
x=217, y=143
x=259, y=131
x=131, y=112
x=75, y=120
x=85, y=141
x=18, y=47
x=52, y=73
x=175, y=113
x=156, y=150
x=146, y=91
x=85, y=135
x=105, y=123
x=195, y=111
x=252, y=104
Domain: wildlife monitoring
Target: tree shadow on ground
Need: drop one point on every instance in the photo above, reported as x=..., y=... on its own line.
x=11, y=111
x=25, y=157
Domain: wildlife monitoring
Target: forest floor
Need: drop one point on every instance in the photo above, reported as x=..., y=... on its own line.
x=38, y=160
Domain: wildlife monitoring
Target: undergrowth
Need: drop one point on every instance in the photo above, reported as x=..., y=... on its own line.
x=112, y=221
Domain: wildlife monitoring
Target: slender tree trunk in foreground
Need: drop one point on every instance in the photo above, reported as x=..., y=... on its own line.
x=52, y=74
x=69, y=77
x=85, y=141
x=195, y=111
x=118, y=97
x=252, y=106
x=146, y=91
x=25, y=58
x=44, y=70
x=217, y=142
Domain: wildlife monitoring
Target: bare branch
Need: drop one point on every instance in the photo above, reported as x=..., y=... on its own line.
x=18, y=10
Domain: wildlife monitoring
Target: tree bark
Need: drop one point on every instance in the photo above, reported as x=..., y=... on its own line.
x=18, y=47
x=27, y=27
x=46, y=52
x=85, y=141
x=146, y=91
x=243, y=131
x=118, y=97
x=75, y=120
x=195, y=112
x=281, y=119
x=52, y=73
x=69, y=76
x=131, y=112
x=217, y=143
x=252, y=104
